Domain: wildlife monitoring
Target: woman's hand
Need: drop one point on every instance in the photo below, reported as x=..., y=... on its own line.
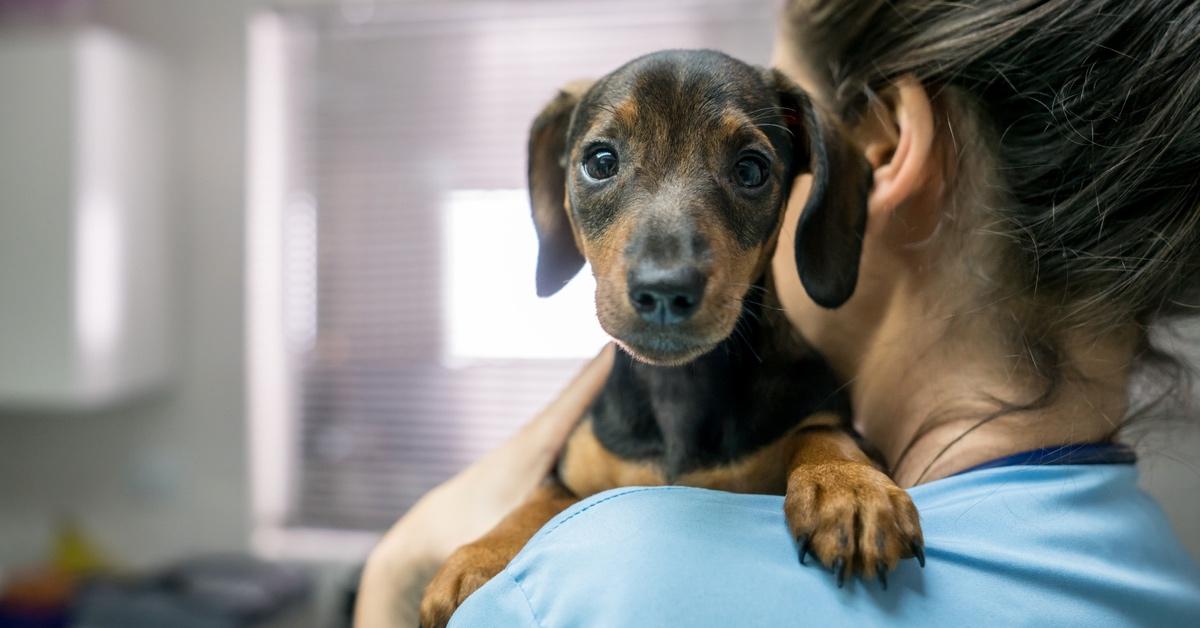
x=469, y=504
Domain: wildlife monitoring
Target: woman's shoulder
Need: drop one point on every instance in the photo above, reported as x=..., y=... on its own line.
x=1067, y=545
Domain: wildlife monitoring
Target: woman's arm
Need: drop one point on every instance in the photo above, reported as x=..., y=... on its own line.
x=468, y=505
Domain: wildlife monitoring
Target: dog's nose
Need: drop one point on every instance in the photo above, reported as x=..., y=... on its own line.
x=666, y=296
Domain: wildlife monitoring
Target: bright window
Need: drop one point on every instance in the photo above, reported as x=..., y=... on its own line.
x=491, y=311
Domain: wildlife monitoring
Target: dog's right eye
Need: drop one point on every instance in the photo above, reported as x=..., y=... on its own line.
x=600, y=164
x=751, y=171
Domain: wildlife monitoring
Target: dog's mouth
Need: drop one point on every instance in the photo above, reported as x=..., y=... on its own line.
x=664, y=349
x=665, y=345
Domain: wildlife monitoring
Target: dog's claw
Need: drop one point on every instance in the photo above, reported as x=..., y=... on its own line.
x=882, y=571
x=918, y=550
x=826, y=507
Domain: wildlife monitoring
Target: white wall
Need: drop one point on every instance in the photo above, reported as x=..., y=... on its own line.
x=167, y=475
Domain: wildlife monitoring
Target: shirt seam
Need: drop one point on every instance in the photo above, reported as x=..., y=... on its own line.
x=528, y=603
x=598, y=502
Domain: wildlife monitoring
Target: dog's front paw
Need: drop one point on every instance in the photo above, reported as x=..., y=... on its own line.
x=467, y=569
x=853, y=518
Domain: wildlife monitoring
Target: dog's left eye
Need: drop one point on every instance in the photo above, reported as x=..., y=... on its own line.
x=750, y=172
x=600, y=164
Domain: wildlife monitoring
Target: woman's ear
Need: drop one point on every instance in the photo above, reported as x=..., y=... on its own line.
x=559, y=258
x=829, y=235
x=897, y=137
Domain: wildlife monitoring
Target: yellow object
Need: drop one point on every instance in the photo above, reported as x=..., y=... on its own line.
x=75, y=553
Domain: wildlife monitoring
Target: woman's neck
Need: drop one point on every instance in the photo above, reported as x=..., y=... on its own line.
x=938, y=393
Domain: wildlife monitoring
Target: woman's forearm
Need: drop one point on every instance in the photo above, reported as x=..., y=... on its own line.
x=392, y=582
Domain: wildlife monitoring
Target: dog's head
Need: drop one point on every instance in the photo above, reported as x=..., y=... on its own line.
x=670, y=177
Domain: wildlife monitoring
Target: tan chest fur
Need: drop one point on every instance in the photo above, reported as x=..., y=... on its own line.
x=588, y=468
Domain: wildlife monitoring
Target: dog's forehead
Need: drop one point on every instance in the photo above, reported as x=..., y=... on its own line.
x=689, y=87
x=698, y=82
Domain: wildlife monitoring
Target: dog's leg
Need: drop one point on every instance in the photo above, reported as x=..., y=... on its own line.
x=845, y=511
x=472, y=565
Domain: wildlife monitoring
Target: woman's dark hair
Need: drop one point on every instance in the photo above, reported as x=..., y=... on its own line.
x=1094, y=107
x=1089, y=114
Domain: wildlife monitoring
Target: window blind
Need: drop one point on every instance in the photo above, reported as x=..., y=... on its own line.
x=397, y=113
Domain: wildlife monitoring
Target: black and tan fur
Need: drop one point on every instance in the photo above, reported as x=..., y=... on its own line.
x=729, y=397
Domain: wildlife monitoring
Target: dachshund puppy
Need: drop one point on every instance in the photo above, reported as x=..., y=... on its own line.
x=670, y=176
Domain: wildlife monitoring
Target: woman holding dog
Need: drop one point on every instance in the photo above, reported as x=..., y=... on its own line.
x=1035, y=210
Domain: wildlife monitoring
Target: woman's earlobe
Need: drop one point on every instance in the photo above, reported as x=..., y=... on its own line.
x=898, y=141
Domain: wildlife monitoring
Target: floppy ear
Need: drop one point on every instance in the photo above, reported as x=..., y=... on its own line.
x=830, y=232
x=558, y=257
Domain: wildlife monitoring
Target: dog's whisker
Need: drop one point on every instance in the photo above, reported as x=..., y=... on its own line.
x=749, y=346
x=778, y=126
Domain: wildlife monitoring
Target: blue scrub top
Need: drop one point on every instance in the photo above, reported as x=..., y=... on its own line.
x=1007, y=545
